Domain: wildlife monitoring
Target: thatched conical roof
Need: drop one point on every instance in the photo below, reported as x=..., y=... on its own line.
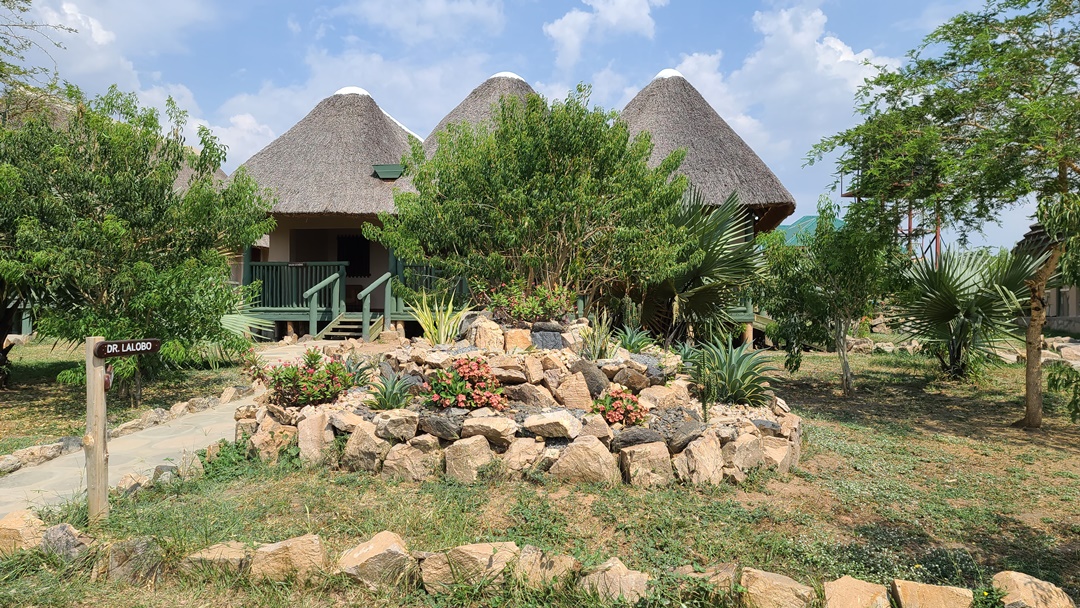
x=323, y=164
x=478, y=107
x=718, y=161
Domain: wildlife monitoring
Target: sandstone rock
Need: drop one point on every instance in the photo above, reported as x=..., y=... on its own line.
x=20, y=530
x=380, y=563
x=299, y=557
x=364, y=451
x=181, y=409
x=517, y=340
x=243, y=412
x=474, y=564
x=232, y=557
x=560, y=423
x=227, y=395
x=190, y=467
x=595, y=425
x=465, y=457
x=909, y=594
x=744, y=453
x=586, y=460
x=612, y=580
x=314, y=435
x=547, y=459
x=659, y=397
x=344, y=421
x=702, y=461
x=1024, y=591
x=573, y=392
x=425, y=443
x=768, y=590
x=635, y=435
x=646, y=465
x=1070, y=352
x=551, y=361
x=632, y=379
x=720, y=575
x=396, y=425
x=594, y=378
x=777, y=453
x=165, y=474
x=435, y=359
x=65, y=541
x=534, y=370
x=848, y=592
x=9, y=464
x=522, y=455
x=443, y=426
x=553, y=378
x=498, y=429
x=132, y=482
x=507, y=376
x=531, y=395
x=37, y=454
x=766, y=428
x=407, y=463
x=537, y=569
x=136, y=561
x=271, y=438
x=245, y=429
x=486, y=334
x=733, y=475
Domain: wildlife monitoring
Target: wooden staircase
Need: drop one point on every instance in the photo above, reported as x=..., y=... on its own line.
x=349, y=325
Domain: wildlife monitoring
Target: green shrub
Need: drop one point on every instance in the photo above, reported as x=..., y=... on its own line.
x=726, y=374
x=469, y=384
x=391, y=392
x=633, y=339
x=513, y=303
x=312, y=380
x=620, y=406
x=1064, y=379
x=440, y=321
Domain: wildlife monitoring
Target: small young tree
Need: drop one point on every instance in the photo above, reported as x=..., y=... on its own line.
x=818, y=290
x=96, y=227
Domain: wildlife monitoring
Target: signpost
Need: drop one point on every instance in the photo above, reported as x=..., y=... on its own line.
x=94, y=442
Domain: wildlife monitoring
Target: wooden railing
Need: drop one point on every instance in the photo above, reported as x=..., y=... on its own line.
x=388, y=303
x=285, y=284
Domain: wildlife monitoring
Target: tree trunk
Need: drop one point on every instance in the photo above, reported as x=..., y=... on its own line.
x=1033, y=367
x=7, y=323
x=847, y=380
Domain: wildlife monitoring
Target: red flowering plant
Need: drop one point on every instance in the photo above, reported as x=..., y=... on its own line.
x=468, y=384
x=620, y=406
x=311, y=380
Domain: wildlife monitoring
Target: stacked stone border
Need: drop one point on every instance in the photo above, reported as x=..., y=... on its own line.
x=385, y=562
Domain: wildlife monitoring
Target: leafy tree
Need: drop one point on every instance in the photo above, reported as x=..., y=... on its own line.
x=97, y=227
x=19, y=35
x=816, y=291
x=987, y=109
x=557, y=195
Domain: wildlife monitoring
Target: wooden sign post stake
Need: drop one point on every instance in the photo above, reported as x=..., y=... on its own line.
x=97, y=451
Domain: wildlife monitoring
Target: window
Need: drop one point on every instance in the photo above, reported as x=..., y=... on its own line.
x=356, y=250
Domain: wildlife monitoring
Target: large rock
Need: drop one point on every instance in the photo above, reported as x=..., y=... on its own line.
x=595, y=425
x=232, y=557
x=345, y=421
x=560, y=423
x=499, y=430
x=659, y=397
x=465, y=458
x=647, y=464
x=409, y=463
x=65, y=541
x=612, y=580
x=702, y=462
x=586, y=460
x=522, y=455
x=635, y=435
x=546, y=340
x=299, y=557
x=769, y=590
x=271, y=438
x=444, y=425
x=847, y=592
x=507, y=376
x=531, y=395
x=679, y=436
x=314, y=435
x=722, y=576
x=534, y=369
x=537, y=569
x=380, y=563
x=909, y=594
x=20, y=530
x=517, y=340
x=9, y=464
x=1025, y=591
x=777, y=453
x=573, y=392
x=37, y=454
x=486, y=334
x=396, y=425
x=136, y=561
x=1070, y=352
x=364, y=451
x=475, y=564
x=632, y=379
x=594, y=378
x=744, y=453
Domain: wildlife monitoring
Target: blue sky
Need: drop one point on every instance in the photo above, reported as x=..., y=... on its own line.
x=781, y=72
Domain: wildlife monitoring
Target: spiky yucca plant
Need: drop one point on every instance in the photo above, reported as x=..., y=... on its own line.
x=728, y=374
x=633, y=339
x=440, y=320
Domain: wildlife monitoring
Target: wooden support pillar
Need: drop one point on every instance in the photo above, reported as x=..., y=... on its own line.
x=94, y=442
x=748, y=335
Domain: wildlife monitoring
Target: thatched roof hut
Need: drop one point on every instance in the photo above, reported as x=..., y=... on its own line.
x=718, y=161
x=479, y=106
x=325, y=163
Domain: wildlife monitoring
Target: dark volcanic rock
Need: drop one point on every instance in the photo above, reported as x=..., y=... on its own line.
x=634, y=435
x=546, y=340
x=548, y=326
x=595, y=378
x=445, y=424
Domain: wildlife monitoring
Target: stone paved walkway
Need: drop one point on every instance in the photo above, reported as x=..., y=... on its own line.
x=63, y=478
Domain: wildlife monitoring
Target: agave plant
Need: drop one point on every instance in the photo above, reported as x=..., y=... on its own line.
x=359, y=370
x=966, y=305
x=391, y=392
x=726, y=374
x=633, y=339
x=440, y=320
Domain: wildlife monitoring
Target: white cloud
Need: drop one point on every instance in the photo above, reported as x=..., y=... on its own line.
x=423, y=20
x=293, y=25
x=572, y=30
x=70, y=16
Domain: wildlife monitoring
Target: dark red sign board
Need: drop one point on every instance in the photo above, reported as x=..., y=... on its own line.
x=126, y=348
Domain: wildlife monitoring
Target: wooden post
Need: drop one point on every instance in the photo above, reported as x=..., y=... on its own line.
x=94, y=442
x=748, y=335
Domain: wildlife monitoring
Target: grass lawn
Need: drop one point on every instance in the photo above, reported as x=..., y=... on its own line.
x=37, y=409
x=914, y=478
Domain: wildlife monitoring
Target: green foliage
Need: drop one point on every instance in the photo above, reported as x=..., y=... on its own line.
x=620, y=406
x=818, y=290
x=310, y=381
x=715, y=271
x=513, y=303
x=439, y=320
x=726, y=374
x=596, y=341
x=964, y=306
x=358, y=369
x=1065, y=380
x=98, y=234
x=554, y=194
x=633, y=339
x=469, y=383
x=391, y=392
